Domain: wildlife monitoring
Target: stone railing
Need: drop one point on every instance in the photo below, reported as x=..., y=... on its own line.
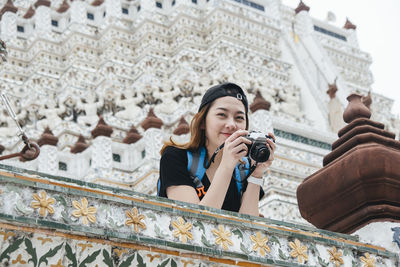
x=64, y=222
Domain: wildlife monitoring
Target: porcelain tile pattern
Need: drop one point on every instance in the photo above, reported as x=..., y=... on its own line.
x=123, y=228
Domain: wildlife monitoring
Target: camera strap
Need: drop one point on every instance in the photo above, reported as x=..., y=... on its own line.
x=252, y=167
x=213, y=156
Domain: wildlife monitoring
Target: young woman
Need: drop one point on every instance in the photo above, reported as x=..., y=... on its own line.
x=222, y=118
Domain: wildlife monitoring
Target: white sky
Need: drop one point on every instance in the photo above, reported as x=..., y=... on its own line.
x=378, y=23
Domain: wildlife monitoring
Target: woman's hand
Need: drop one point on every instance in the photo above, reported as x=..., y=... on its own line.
x=235, y=148
x=263, y=166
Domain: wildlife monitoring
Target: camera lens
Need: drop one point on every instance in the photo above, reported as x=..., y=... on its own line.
x=259, y=153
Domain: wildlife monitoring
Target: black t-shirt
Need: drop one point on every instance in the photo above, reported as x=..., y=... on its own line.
x=173, y=171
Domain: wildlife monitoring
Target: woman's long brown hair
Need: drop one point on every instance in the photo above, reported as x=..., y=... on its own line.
x=197, y=131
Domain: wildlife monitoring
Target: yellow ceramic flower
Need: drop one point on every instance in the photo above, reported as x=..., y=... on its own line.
x=135, y=219
x=336, y=257
x=222, y=237
x=182, y=229
x=87, y=213
x=260, y=243
x=368, y=260
x=299, y=251
x=43, y=203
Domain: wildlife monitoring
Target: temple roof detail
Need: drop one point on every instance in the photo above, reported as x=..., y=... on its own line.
x=348, y=25
x=8, y=7
x=302, y=7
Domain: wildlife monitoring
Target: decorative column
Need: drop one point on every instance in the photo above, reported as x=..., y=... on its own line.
x=48, y=157
x=153, y=136
x=359, y=183
x=351, y=28
x=303, y=20
x=8, y=21
x=334, y=108
x=101, y=160
x=260, y=118
x=42, y=18
x=113, y=11
x=78, y=12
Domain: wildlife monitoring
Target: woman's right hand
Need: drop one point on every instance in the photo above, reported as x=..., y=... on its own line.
x=235, y=148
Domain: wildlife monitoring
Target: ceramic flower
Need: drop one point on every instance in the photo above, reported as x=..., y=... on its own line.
x=222, y=237
x=135, y=219
x=182, y=230
x=298, y=251
x=368, y=260
x=43, y=203
x=82, y=210
x=260, y=243
x=335, y=257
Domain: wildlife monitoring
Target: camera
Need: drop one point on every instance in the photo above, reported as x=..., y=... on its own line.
x=258, y=149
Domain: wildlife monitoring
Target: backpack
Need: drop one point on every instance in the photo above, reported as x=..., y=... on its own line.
x=197, y=169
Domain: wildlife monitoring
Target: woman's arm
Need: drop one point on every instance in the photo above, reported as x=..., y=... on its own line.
x=251, y=196
x=250, y=200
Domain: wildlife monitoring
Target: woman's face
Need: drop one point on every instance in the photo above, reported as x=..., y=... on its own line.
x=225, y=116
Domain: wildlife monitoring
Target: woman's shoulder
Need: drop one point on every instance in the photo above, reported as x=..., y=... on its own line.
x=173, y=152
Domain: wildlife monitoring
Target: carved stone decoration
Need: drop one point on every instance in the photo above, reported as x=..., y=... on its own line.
x=29, y=13
x=42, y=3
x=97, y=2
x=8, y=7
x=302, y=7
x=80, y=145
x=359, y=182
x=183, y=127
x=132, y=137
x=47, y=138
x=332, y=89
x=355, y=109
x=348, y=25
x=102, y=129
x=63, y=7
x=334, y=108
x=151, y=121
x=259, y=102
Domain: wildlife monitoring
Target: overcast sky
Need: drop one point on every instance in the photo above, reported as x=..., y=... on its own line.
x=378, y=23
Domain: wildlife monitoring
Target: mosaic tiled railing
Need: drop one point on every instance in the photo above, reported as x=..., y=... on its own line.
x=55, y=221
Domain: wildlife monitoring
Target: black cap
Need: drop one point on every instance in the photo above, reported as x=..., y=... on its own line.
x=221, y=90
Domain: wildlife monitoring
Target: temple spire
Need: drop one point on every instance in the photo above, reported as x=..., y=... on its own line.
x=301, y=7
x=348, y=25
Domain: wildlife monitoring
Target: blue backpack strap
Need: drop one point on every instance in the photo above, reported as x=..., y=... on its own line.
x=196, y=168
x=241, y=173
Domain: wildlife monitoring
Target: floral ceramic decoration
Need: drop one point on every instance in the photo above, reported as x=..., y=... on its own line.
x=182, y=230
x=222, y=237
x=135, y=219
x=260, y=244
x=43, y=203
x=88, y=214
x=368, y=261
x=298, y=251
x=335, y=257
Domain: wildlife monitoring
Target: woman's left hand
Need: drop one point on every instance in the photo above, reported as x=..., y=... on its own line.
x=263, y=166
